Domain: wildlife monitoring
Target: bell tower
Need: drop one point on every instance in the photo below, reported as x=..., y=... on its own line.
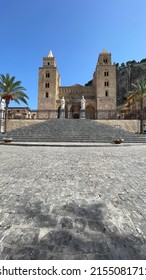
x=48, y=86
x=104, y=81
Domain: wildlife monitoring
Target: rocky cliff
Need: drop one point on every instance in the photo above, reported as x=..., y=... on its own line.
x=129, y=73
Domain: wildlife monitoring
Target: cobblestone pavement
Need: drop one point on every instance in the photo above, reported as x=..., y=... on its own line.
x=73, y=202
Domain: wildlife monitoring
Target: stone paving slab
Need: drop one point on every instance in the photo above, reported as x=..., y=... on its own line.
x=72, y=202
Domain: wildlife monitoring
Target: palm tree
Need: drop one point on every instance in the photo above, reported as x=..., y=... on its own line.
x=138, y=94
x=11, y=90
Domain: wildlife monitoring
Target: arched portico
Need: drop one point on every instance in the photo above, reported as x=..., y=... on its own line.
x=66, y=112
x=75, y=111
x=90, y=112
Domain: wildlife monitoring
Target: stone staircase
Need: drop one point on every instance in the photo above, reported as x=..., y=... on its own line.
x=71, y=130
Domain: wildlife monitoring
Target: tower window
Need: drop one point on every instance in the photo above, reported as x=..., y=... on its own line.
x=47, y=85
x=106, y=73
x=105, y=60
x=47, y=94
x=106, y=83
x=106, y=93
x=48, y=63
x=47, y=75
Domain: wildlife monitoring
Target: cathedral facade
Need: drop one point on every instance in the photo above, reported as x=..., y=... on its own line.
x=99, y=94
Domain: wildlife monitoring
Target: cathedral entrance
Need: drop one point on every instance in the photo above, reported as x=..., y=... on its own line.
x=76, y=116
x=75, y=111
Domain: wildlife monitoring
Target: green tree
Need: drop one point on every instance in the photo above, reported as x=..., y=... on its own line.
x=89, y=83
x=128, y=63
x=122, y=65
x=11, y=90
x=139, y=93
x=143, y=60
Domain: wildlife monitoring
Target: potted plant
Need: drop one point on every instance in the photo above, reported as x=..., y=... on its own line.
x=118, y=140
x=7, y=140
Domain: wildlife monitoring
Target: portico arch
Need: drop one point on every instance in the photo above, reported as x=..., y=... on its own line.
x=66, y=112
x=75, y=111
x=90, y=112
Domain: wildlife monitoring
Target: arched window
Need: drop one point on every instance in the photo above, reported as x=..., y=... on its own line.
x=106, y=73
x=47, y=94
x=47, y=85
x=47, y=74
x=106, y=83
x=106, y=93
x=105, y=60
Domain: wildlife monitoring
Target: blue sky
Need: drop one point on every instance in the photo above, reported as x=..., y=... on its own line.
x=76, y=31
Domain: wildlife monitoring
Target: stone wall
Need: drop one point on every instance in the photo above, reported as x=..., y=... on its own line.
x=128, y=125
x=14, y=124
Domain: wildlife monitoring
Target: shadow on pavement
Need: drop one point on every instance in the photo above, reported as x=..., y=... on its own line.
x=70, y=231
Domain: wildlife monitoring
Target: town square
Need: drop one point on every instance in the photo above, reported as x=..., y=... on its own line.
x=73, y=202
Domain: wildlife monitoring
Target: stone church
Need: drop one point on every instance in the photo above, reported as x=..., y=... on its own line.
x=99, y=94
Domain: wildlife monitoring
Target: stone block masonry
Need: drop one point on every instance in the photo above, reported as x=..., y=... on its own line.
x=127, y=125
x=14, y=124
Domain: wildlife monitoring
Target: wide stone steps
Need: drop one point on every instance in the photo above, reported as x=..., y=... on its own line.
x=71, y=131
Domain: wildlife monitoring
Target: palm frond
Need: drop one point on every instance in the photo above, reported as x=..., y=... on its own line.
x=23, y=100
x=15, y=99
x=10, y=87
x=140, y=87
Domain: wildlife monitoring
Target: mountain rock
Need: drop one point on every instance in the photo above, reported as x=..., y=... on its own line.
x=128, y=74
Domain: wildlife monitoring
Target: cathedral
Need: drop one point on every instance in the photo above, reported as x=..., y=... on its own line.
x=99, y=94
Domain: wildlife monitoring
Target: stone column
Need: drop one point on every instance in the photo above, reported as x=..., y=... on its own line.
x=2, y=116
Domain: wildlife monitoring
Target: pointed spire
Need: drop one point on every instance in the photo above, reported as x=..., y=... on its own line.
x=50, y=54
